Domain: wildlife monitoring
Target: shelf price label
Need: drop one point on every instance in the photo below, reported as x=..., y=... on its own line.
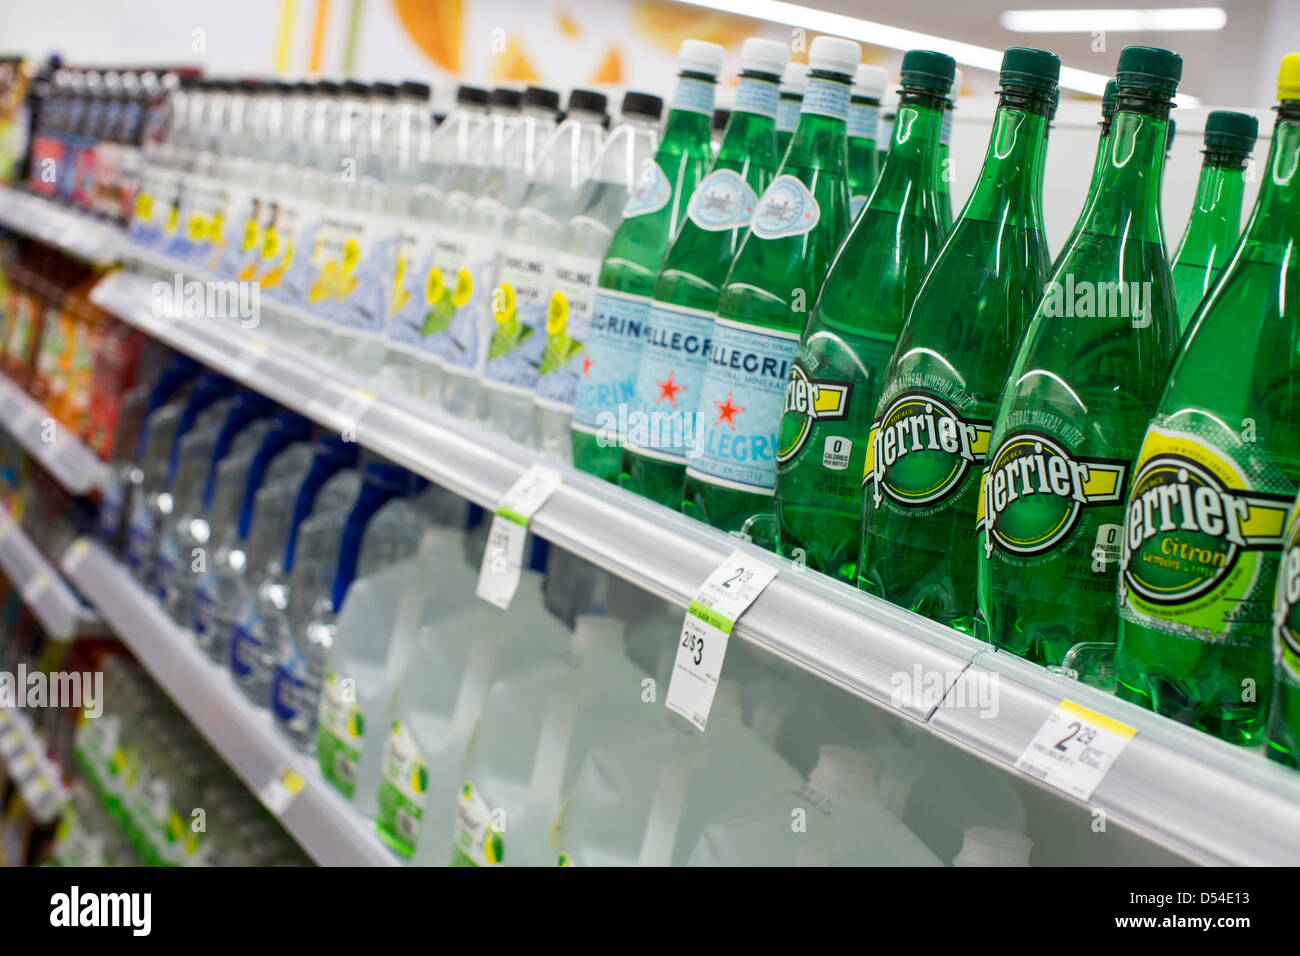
x=498, y=577
x=702, y=645
x=1074, y=749
x=280, y=790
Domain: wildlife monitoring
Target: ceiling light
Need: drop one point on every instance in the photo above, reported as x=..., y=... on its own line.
x=1114, y=21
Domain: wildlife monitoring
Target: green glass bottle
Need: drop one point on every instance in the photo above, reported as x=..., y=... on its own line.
x=794, y=83
x=920, y=486
x=885, y=133
x=1216, y=477
x=851, y=333
x=654, y=210
x=943, y=184
x=1078, y=397
x=1283, y=735
x=675, y=346
x=801, y=217
x=864, y=122
x=1101, y=161
x=1215, y=223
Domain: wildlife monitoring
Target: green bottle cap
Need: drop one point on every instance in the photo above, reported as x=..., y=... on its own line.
x=1025, y=66
x=1225, y=129
x=928, y=69
x=1149, y=68
x=1108, y=99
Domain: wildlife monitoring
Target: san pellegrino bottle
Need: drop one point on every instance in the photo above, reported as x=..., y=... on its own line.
x=655, y=208
x=864, y=122
x=1215, y=223
x=1077, y=400
x=930, y=433
x=731, y=479
x=675, y=347
x=1216, y=476
x=597, y=213
x=943, y=185
x=794, y=84
x=851, y=333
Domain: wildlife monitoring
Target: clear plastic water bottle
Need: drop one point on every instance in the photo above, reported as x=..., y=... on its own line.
x=597, y=214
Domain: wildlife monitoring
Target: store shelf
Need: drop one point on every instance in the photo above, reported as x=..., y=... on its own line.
x=60, y=611
x=323, y=823
x=48, y=441
x=1173, y=785
x=22, y=752
x=71, y=230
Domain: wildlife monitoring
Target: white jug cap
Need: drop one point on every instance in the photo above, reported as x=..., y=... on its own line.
x=992, y=846
x=764, y=56
x=795, y=78
x=870, y=81
x=699, y=56
x=835, y=55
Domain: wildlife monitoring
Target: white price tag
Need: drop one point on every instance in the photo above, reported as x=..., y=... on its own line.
x=1074, y=749
x=36, y=586
x=503, y=560
x=280, y=790
x=724, y=596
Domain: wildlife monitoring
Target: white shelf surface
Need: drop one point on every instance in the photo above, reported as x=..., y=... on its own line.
x=323, y=823
x=61, y=612
x=48, y=441
x=75, y=232
x=22, y=752
x=1183, y=790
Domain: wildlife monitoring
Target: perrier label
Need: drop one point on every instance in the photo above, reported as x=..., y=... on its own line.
x=1201, y=537
x=1035, y=496
x=920, y=453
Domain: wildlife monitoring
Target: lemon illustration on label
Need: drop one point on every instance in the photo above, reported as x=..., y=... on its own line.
x=419, y=778
x=173, y=218
x=144, y=207
x=557, y=314
x=464, y=288
x=270, y=243
x=215, y=226
x=434, y=286
x=503, y=305
x=356, y=723
x=351, y=254
x=494, y=850
x=198, y=228
x=250, y=235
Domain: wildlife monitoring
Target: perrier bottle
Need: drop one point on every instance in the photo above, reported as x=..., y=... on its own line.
x=851, y=332
x=800, y=219
x=1077, y=400
x=930, y=434
x=1215, y=223
x=1217, y=474
x=675, y=346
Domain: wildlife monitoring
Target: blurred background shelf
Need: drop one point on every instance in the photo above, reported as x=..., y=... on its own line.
x=62, y=454
x=74, y=232
x=324, y=824
x=42, y=588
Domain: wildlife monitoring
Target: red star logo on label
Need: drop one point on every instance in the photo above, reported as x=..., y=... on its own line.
x=668, y=390
x=586, y=366
x=727, y=412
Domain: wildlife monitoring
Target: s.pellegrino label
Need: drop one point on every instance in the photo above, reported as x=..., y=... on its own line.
x=722, y=201
x=740, y=405
x=606, y=388
x=1202, y=535
x=786, y=208
x=674, y=355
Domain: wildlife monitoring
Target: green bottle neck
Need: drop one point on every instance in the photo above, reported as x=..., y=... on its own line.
x=1275, y=222
x=691, y=118
x=1127, y=198
x=911, y=172
x=819, y=138
x=1216, y=212
x=749, y=133
x=1010, y=184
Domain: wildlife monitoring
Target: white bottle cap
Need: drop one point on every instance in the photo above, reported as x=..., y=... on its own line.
x=991, y=846
x=795, y=78
x=764, y=56
x=843, y=771
x=835, y=55
x=889, y=102
x=699, y=56
x=956, y=85
x=597, y=632
x=870, y=81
